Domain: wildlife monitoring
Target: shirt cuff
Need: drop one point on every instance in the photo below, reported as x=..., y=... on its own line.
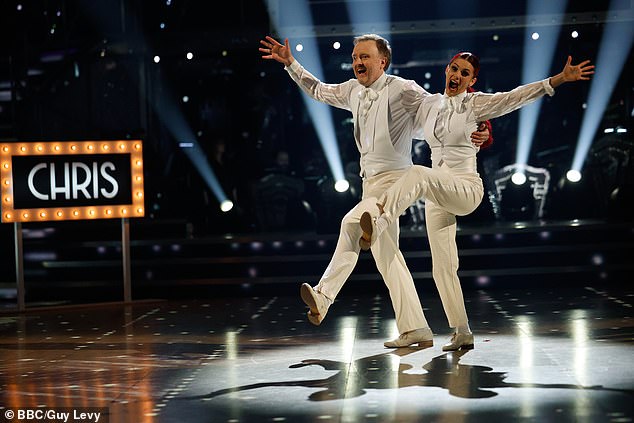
x=293, y=67
x=547, y=87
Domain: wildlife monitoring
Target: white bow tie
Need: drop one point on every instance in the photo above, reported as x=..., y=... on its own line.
x=368, y=94
x=367, y=97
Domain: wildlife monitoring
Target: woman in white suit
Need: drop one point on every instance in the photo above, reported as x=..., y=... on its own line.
x=452, y=186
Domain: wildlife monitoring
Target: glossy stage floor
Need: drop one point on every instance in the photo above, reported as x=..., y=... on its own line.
x=557, y=354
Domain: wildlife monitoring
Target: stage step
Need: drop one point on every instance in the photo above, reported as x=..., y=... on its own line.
x=86, y=256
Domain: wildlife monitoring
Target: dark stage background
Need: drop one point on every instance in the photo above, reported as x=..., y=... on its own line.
x=86, y=70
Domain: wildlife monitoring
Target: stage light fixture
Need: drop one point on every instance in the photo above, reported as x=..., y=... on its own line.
x=226, y=205
x=520, y=191
x=518, y=178
x=574, y=34
x=483, y=280
x=535, y=36
x=157, y=59
x=189, y=55
x=573, y=175
x=342, y=185
x=336, y=45
x=299, y=47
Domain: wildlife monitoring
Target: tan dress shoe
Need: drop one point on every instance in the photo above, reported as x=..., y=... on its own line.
x=459, y=341
x=423, y=337
x=316, y=301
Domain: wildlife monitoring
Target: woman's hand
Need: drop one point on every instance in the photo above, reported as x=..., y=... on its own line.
x=272, y=49
x=580, y=72
x=571, y=73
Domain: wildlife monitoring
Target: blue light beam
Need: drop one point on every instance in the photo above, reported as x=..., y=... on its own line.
x=165, y=107
x=616, y=43
x=197, y=156
x=375, y=19
x=174, y=120
x=538, y=57
x=320, y=113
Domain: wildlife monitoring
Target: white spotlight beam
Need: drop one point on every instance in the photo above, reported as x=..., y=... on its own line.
x=197, y=156
x=321, y=117
x=320, y=114
x=614, y=49
x=173, y=119
x=165, y=106
x=378, y=17
x=538, y=55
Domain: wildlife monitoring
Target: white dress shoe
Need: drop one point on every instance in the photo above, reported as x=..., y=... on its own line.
x=316, y=301
x=423, y=337
x=459, y=341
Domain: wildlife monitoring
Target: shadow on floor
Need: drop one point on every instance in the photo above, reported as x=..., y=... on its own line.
x=384, y=371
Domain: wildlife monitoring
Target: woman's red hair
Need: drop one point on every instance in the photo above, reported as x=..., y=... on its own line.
x=471, y=58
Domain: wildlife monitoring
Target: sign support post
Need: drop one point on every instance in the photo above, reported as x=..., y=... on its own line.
x=125, y=251
x=19, y=265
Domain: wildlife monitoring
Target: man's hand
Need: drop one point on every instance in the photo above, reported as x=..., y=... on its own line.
x=480, y=136
x=272, y=49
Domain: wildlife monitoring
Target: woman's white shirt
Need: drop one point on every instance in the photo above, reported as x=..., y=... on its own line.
x=446, y=123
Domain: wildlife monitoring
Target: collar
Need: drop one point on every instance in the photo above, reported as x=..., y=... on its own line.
x=379, y=83
x=456, y=102
x=456, y=99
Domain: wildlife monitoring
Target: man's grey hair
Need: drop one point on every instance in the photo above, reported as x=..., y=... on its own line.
x=381, y=43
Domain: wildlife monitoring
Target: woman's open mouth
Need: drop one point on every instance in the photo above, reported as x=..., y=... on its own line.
x=453, y=85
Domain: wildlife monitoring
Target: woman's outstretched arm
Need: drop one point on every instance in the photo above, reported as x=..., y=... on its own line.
x=489, y=106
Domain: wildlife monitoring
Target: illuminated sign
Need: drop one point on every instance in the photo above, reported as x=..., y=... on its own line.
x=44, y=181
